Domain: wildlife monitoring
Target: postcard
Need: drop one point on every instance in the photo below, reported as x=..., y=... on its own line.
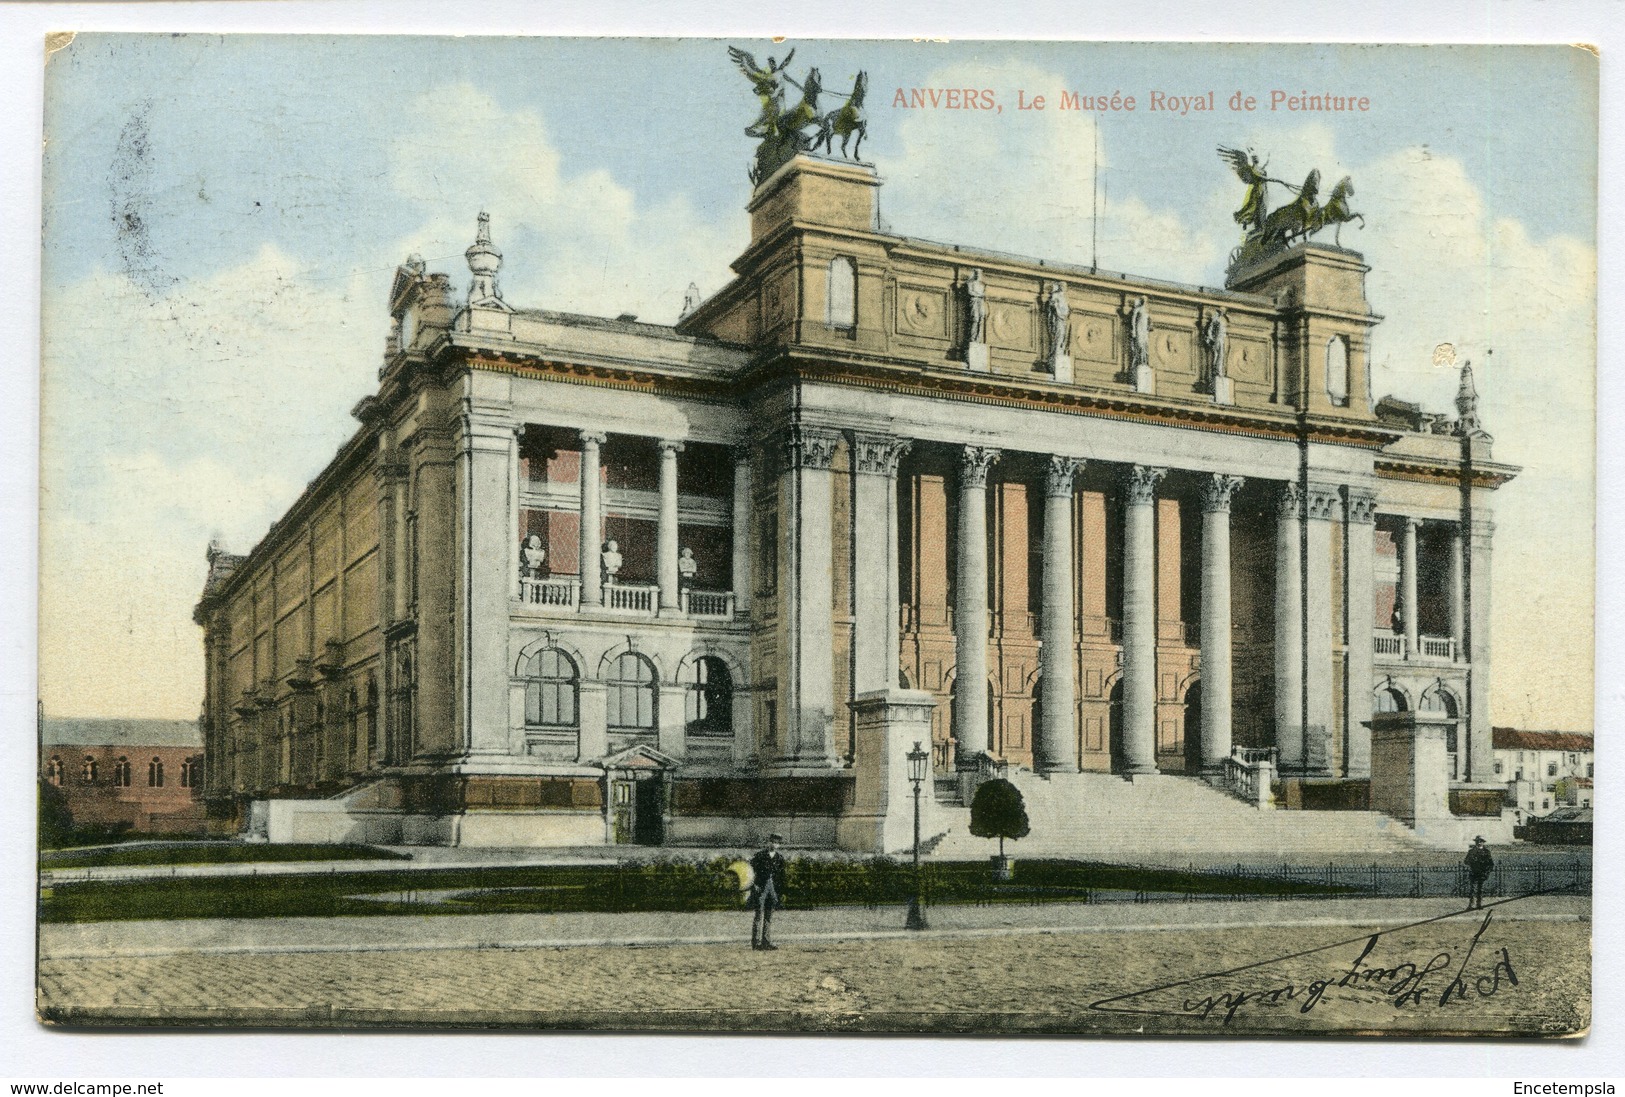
x=817, y=536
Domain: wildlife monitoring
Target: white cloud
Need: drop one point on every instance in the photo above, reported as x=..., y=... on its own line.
x=169, y=418
x=601, y=249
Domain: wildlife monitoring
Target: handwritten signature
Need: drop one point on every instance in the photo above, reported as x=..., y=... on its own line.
x=1410, y=983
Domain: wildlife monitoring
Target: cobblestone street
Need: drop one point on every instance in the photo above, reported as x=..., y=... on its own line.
x=1032, y=981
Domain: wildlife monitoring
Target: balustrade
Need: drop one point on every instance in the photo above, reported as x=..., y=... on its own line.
x=565, y=593
x=709, y=603
x=1392, y=645
x=1249, y=772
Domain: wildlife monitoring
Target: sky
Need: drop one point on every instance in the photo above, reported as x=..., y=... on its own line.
x=223, y=215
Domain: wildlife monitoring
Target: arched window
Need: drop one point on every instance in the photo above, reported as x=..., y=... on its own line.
x=155, y=773
x=1388, y=699
x=1337, y=370
x=631, y=694
x=550, y=691
x=53, y=770
x=121, y=772
x=189, y=773
x=87, y=773
x=710, y=697
x=842, y=293
x=1439, y=702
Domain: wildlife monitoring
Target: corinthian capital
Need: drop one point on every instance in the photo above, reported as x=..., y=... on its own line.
x=878, y=453
x=1217, y=490
x=1059, y=474
x=1290, y=504
x=1142, y=481
x=973, y=465
x=811, y=447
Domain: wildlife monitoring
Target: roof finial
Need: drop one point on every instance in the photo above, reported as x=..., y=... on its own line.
x=484, y=260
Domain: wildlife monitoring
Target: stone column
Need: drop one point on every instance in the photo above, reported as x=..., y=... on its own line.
x=1480, y=768
x=1407, y=580
x=874, y=573
x=666, y=529
x=970, y=605
x=742, y=581
x=1458, y=606
x=1289, y=628
x=1140, y=620
x=809, y=596
x=1360, y=564
x=592, y=522
x=1056, y=746
x=1322, y=507
x=1216, y=687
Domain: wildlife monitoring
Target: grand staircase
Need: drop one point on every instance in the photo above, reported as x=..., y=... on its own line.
x=1165, y=819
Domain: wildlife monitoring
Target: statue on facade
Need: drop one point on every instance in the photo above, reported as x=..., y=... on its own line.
x=1139, y=335
x=1057, y=321
x=974, y=291
x=609, y=562
x=687, y=569
x=532, y=558
x=1267, y=232
x=1214, y=337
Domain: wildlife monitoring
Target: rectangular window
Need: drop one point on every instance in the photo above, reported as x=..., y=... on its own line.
x=1498, y=769
x=1589, y=767
x=1551, y=769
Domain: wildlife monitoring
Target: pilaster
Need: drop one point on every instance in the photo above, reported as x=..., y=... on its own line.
x=1360, y=561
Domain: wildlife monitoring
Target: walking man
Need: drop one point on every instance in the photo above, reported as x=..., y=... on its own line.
x=1479, y=866
x=766, y=892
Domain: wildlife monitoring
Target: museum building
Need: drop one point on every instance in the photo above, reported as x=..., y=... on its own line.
x=579, y=580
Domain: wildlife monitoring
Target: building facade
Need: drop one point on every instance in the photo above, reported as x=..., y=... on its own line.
x=578, y=580
x=141, y=775
x=1544, y=770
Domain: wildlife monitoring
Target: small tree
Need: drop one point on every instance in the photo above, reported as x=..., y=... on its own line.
x=997, y=811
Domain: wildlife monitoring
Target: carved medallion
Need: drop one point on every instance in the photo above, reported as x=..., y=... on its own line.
x=1094, y=338
x=1010, y=326
x=921, y=312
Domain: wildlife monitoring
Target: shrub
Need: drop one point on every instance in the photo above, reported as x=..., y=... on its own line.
x=997, y=811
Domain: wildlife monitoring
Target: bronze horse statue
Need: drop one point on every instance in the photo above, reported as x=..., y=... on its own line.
x=1296, y=219
x=845, y=122
x=1336, y=211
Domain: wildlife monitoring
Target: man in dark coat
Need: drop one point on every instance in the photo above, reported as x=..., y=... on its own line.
x=766, y=892
x=1479, y=866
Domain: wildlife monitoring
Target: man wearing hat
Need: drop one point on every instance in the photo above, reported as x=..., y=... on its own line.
x=766, y=892
x=1479, y=866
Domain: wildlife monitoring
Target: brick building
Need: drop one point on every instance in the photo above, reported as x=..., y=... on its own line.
x=144, y=774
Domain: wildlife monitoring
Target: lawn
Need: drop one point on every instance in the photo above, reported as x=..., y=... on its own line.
x=677, y=885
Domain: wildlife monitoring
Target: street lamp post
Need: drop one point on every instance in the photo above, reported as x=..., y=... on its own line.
x=917, y=762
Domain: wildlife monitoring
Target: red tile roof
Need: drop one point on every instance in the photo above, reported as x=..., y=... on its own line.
x=1513, y=739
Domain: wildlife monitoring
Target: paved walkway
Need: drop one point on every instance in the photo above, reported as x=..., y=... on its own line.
x=419, y=933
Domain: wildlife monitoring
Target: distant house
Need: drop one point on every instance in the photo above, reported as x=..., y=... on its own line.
x=144, y=774
x=1544, y=770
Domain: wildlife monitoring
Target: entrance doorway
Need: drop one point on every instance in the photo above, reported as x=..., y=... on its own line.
x=1193, y=728
x=638, y=807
